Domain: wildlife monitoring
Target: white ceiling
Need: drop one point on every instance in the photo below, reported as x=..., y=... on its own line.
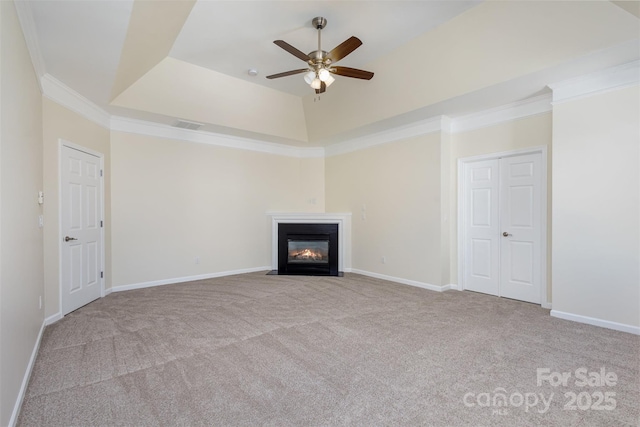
x=81, y=41
x=84, y=45
x=231, y=37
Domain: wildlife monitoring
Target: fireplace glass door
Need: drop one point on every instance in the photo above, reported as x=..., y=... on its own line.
x=308, y=251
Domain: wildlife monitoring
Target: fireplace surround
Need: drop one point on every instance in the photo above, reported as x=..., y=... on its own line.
x=308, y=249
x=340, y=220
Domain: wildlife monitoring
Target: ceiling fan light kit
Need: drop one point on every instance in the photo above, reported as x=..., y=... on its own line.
x=330, y=79
x=319, y=72
x=323, y=74
x=309, y=77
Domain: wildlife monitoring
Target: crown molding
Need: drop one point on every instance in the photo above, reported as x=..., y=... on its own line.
x=504, y=113
x=618, y=77
x=60, y=93
x=423, y=127
x=25, y=16
x=67, y=97
x=140, y=127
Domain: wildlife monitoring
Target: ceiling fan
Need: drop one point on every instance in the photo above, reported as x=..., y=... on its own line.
x=319, y=72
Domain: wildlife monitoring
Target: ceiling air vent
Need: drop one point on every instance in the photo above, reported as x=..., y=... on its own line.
x=183, y=124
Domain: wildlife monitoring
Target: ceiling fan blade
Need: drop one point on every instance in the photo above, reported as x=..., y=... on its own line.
x=344, y=49
x=292, y=50
x=287, y=73
x=323, y=88
x=352, y=72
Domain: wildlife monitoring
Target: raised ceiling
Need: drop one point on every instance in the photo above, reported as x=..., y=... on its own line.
x=167, y=60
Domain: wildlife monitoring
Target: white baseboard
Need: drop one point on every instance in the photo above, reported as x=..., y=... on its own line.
x=25, y=379
x=52, y=319
x=186, y=279
x=108, y=291
x=546, y=305
x=596, y=322
x=451, y=286
x=415, y=283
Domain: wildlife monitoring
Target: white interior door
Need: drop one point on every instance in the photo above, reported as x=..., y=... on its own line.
x=81, y=234
x=520, y=250
x=502, y=227
x=482, y=243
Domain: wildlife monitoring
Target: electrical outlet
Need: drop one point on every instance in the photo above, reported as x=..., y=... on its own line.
x=383, y=260
x=197, y=260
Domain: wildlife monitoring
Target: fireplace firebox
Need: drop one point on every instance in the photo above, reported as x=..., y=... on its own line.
x=308, y=249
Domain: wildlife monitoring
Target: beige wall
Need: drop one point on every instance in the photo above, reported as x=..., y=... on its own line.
x=533, y=131
x=61, y=123
x=398, y=186
x=410, y=192
x=21, y=259
x=596, y=206
x=173, y=201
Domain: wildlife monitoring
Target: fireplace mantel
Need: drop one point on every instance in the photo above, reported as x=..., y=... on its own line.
x=344, y=233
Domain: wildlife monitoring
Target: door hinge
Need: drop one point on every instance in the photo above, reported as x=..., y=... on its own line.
x=101, y=224
x=102, y=274
x=100, y=172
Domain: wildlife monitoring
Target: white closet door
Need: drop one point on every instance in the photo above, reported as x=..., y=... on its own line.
x=520, y=248
x=482, y=242
x=502, y=227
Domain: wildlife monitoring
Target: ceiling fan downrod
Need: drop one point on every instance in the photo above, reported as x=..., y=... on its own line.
x=319, y=23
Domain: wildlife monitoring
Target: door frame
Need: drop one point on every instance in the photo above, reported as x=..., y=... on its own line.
x=542, y=150
x=64, y=143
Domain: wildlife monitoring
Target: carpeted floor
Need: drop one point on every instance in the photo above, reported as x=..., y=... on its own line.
x=253, y=350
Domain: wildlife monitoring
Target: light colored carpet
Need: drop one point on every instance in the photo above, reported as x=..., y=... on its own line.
x=253, y=350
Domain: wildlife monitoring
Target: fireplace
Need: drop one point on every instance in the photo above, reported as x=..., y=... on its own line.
x=308, y=249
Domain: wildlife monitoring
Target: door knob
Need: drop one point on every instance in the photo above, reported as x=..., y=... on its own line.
x=67, y=238
x=505, y=234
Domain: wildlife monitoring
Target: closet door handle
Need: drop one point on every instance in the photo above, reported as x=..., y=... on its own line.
x=505, y=234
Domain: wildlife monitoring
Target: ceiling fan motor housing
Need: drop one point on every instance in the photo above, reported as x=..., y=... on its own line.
x=313, y=57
